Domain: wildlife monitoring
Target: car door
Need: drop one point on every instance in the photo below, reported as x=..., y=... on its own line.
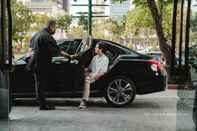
x=85, y=52
x=21, y=80
x=111, y=53
x=63, y=70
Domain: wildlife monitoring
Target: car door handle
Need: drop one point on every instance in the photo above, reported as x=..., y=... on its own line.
x=74, y=61
x=59, y=60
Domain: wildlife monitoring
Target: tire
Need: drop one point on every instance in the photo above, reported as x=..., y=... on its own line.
x=120, y=91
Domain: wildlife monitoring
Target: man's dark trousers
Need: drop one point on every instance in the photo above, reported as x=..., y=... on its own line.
x=41, y=84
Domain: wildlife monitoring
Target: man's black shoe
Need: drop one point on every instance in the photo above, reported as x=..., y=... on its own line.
x=47, y=107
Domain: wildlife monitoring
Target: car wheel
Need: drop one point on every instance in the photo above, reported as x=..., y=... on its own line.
x=120, y=91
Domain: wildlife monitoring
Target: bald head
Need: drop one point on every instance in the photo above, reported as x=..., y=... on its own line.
x=51, y=25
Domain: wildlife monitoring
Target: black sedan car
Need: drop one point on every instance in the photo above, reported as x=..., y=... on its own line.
x=129, y=73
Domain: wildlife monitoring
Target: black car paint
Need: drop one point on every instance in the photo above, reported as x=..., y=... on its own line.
x=134, y=67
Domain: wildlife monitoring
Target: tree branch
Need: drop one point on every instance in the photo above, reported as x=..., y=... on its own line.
x=165, y=48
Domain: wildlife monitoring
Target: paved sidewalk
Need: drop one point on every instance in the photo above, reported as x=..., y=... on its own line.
x=163, y=111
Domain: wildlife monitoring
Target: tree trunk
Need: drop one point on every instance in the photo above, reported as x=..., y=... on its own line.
x=164, y=47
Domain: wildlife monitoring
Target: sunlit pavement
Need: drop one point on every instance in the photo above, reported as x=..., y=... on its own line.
x=163, y=111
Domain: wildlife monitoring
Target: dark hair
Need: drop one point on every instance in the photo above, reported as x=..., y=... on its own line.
x=101, y=45
x=51, y=23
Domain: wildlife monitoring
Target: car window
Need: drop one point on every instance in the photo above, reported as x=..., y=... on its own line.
x=132, y=53
x=155, y=56
x=119, y=50
x=69, y=46
x=73, y=47
x=111, y=52
x=111, y=56
x=124, y=50
x=85, y=45
x=64, y=45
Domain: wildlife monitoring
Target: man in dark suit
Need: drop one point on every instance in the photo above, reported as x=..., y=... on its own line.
x=43, y=47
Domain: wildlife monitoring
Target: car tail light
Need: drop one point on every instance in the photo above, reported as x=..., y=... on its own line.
x=155, y=65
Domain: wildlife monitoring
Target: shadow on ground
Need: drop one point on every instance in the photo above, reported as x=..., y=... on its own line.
x=92, y=103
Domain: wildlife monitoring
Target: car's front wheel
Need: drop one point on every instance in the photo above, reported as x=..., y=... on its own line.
x=120, y=91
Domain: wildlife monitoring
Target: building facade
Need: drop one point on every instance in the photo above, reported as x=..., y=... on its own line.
x=44, y=7
x=105, y=8
x=79, y=7
x=118, y=10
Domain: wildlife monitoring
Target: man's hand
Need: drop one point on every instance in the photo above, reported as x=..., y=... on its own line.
x=86, y=70
x=96, y=77
x=65, y=54
x=74, y=56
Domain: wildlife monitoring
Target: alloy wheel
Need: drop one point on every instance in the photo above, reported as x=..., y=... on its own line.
x=120, y=91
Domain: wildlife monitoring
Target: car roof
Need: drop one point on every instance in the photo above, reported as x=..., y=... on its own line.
x=70, y=39
x=114, y=43
x=153, y=52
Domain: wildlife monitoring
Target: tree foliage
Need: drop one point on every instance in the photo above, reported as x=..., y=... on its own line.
x=109, y=29
x=156, y=8
x=141, y=18
x=39, y=22
x=77, y=32
x=194, y=23
x=193, y=57
x=22, y=20
x=63, y=22
x=112, y=26
x=137, y=19
x=194, y=28
x=83, y=21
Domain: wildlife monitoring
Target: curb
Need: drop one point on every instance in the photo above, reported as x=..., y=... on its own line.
x=181, y=87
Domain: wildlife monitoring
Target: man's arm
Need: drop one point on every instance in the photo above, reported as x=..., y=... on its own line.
x=97, y=76
x=64, y=54
x=56, y=50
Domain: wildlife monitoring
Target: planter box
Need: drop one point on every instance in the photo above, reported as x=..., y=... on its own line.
x=181, y=86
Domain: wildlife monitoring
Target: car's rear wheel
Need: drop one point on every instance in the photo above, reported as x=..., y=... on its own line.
x=120, y=91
